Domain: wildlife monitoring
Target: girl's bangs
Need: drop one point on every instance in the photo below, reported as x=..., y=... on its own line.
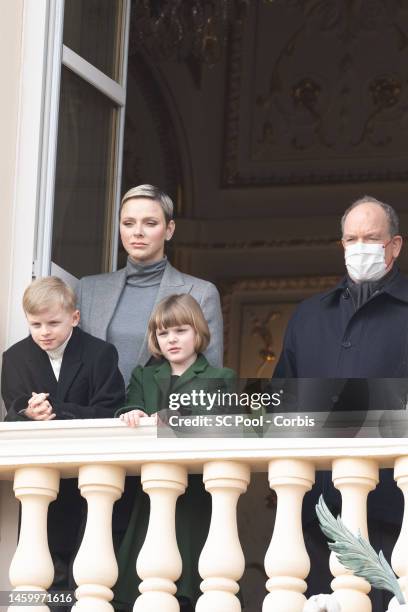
x=172, y=316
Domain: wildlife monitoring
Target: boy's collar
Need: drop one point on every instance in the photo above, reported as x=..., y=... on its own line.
x=59, y=351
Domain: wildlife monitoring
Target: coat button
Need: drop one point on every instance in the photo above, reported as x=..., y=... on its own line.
x=346, y=344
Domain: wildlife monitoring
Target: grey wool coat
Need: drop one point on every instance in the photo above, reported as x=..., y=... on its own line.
x=99, y=295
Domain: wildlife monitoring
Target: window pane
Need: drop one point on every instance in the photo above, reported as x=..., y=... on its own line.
x=92, y=28
x=84, y=178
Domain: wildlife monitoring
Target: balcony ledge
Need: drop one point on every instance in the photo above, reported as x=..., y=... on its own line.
x=70, y=444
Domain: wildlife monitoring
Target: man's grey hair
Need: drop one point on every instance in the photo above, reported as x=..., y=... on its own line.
x=153, y=193
x=393, y=220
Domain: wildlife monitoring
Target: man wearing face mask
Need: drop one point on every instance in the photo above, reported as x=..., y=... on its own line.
x=357, y=329
x=354, y=334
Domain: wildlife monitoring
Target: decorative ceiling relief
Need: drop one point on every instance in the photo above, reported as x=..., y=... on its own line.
x=318, y=93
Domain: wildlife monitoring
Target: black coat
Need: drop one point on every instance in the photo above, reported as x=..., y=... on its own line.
x=328, y=338
x=89, y=385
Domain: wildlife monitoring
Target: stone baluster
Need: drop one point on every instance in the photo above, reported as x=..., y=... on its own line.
x=95, y=567
x=222, y=561
x=286, y=562
x=354, y=478
x=159, y=562
x=32, y=568
x=399, y=559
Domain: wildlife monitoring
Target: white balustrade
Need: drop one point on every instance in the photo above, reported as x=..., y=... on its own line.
x=95, y=567
x=32, y=568
x=354, y=478
x=287, y=563
x=159, y=562
x=222, y=561
x=37, y=454
x=399, y=559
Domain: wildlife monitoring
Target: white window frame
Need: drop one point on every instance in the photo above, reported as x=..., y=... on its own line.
x=61, y=55
x=31, y=233
x=40, y=21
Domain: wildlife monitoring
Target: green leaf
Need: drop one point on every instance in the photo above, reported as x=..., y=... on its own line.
x=356, y=553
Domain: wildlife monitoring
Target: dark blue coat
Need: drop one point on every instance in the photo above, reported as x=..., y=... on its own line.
x=328, y=338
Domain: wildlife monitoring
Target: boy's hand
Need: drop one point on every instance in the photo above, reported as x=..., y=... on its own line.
x=39, y=408
x=132, y=417
x=37, y=398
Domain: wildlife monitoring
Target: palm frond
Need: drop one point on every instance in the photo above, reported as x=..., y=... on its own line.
x=356, y=553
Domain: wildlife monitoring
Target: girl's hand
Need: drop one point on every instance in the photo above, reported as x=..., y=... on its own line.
x=132, y=417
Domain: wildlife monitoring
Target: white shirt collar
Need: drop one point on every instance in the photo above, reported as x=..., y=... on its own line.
x=58, y=352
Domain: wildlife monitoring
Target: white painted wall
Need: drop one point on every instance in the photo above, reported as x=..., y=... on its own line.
x=25, y=196
x=11, y=23
x=23, y=44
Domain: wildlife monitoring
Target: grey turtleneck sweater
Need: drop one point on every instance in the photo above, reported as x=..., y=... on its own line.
x=128, y=326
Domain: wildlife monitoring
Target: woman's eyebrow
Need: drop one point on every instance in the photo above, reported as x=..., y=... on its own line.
x=149, y=218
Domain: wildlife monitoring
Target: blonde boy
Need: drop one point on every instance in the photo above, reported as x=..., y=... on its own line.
x=59, y=371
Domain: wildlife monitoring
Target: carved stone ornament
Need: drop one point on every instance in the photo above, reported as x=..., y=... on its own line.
x=357, y=555
x=318, y=93
x=322, y=603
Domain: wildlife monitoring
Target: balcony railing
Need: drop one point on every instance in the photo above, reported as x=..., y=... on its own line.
x=101, y=452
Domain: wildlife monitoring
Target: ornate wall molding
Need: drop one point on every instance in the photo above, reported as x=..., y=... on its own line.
x=256, y=312
x=334, y=104
x=258, y=244
x=298, y=283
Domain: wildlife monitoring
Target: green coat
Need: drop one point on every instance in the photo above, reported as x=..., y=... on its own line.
x=149, y=386
x=148, y=390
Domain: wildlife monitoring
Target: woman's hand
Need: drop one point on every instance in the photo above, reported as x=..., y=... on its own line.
x=132, y=417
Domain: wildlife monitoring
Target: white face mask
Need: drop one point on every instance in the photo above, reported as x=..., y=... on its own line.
x=365, y=262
